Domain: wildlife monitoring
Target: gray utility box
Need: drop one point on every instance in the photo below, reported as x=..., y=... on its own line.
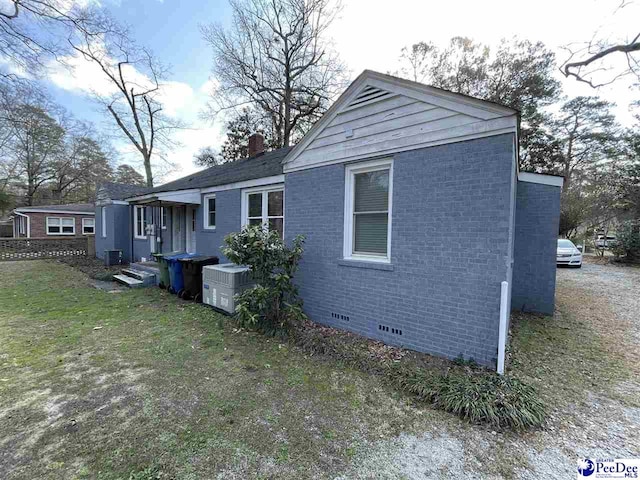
x=221, y=282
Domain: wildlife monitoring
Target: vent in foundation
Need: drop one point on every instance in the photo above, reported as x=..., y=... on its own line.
x=339, y=316
x=391, y=330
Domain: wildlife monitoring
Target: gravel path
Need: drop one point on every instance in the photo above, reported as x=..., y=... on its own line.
x=606, y=300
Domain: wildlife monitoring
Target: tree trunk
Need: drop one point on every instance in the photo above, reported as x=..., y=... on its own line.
x=147, y=169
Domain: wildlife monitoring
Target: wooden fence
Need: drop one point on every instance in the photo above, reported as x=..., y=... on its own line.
x=34, y=248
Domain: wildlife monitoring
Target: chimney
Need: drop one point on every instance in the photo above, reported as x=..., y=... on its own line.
x=256, y=145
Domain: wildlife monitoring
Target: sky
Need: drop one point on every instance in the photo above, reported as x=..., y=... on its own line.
x=368, y=34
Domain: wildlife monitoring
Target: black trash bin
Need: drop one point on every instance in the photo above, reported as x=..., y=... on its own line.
x=192, y=273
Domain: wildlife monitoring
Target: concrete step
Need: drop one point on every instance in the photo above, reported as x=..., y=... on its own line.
x=146, y=277
x=128, y=281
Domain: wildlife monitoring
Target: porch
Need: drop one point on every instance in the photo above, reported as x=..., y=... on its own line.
x=164, y=223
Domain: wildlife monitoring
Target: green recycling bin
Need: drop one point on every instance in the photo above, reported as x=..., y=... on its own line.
x=164, y=267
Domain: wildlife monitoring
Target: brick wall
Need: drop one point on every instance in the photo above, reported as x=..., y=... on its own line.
x=39, y=228
x=534, y=273
x=449, y=249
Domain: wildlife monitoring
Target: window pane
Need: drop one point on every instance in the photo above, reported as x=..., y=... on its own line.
x=255, y=204
x=54, y=229
x=88, y=229
x=277, y=224
x=212, y=204
x=67, y=221
x=255, y=221
x=54, y=221
x=89, y=222
x=212, y=218
x=370, y=231
x=275, y=204
x=372, y=191
x=67, y=229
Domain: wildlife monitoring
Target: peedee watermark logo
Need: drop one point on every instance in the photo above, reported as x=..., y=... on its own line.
x=608, y=468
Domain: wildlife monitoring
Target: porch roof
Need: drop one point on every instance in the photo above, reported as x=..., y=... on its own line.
x=167, y=199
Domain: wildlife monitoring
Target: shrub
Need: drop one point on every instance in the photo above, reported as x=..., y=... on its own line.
x=273, y=304
x=628, y=241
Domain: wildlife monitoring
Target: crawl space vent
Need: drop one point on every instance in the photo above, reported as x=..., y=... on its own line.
x=391, y=330
x=338, y=316
x=368, y=94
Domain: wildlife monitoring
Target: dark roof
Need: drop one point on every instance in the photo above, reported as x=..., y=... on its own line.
x=119, y=191
x=265, y=165
x=70, y=207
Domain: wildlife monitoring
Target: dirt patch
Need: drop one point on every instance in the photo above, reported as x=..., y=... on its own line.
x=92, y=267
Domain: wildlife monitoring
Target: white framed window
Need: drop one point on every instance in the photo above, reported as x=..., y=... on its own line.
x=103, y=219
x=22, y=225
x=140, y=222
x=264, y=206
x=209, y=210
x=163, y=218
x=88, y=226
x=61, y=226
x=367, y=219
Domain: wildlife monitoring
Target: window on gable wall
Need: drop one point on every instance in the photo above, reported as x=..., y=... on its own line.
x=264, y=207
x=368, y=188
x=209, y=220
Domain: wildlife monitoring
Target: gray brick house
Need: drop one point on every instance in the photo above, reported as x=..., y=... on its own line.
x=413, y=208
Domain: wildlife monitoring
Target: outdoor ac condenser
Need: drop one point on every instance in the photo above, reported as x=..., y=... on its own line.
x=221, y=282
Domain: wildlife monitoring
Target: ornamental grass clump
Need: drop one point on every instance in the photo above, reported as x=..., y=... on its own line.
x=500, y=401
x=273, y=305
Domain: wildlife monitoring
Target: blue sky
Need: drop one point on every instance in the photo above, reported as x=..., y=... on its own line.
x=367, y=34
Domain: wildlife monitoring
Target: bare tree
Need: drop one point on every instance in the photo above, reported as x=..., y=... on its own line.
x=590, y=62
x=33, y=32
x=276, y=58
x=134, y=104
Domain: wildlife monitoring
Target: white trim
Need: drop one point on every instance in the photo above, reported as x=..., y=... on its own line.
x=135, y=222
x=244, y=220
x=256, y=182
x=553, y=180
x=205, y=211
x=183, y=196
x=163, y=212
x=350, y=172
x=103, y=221
x=61, y=233
x=119, y=202
x=94, y=225
x=55, y=212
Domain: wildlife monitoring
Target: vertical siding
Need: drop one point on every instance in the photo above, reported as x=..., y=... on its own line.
x=450, y=249
x=534, y=276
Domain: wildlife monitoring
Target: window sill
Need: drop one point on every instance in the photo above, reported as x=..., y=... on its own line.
x=209, y=229
x=139, y=238
x=364, y=264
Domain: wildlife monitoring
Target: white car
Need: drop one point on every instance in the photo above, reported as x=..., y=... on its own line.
x=568, y=254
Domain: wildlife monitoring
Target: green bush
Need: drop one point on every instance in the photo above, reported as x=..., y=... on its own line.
x=273, y=304
x=489, y=398
x=628, y=241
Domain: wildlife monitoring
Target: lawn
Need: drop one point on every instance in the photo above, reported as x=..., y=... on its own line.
x=138, y=383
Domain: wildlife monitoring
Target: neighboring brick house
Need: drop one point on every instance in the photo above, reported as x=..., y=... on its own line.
x=417, y=220
x=45, y=221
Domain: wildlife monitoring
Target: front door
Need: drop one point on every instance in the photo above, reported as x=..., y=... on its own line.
x=191, y=230
x=177, y=229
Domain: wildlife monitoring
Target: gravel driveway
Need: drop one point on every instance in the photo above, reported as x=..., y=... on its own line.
x=601, y=301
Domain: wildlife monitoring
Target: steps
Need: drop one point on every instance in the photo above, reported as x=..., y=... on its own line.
x=135, y=278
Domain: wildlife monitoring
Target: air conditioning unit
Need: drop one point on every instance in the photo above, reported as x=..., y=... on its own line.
x=221, y=282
